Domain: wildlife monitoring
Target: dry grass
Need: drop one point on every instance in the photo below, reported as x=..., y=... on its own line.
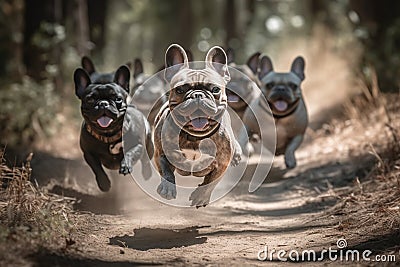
x=373, y=202
x=30, y=218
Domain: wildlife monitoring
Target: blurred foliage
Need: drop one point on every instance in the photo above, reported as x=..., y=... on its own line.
x=384, y=58
x=27, y=111
x=39, y=53
x=48, y=35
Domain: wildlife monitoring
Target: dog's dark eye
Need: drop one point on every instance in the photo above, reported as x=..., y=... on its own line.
x=293, y=86
x=215, y=90
x=118, y=99
x=269, y=85
x=89, y=100
x=179, y=90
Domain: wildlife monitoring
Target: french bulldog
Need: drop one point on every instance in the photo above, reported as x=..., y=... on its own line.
x=107, y=117
x=96, y=77
x=242, y=87
x=282, y=102
x=150, y=96
x=193, y=134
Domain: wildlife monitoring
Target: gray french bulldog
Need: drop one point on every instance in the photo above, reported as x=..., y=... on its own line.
x=148, y=93
x=283, y=103
x=242, y=88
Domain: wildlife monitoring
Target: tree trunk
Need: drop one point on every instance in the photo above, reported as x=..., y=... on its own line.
x=83, y=42
x=16, y=30
x=97, y=11
x=186, y=23
x=230, y=23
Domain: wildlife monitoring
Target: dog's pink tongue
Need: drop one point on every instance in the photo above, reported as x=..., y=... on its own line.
x=281, y=105
x=233, y=98
x=104, y=121
x=199, y=123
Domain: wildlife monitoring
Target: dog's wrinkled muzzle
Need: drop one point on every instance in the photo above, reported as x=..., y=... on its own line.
x=199, y=112
x=197, y=101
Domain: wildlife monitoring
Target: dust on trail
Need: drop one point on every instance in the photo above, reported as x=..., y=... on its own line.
x=126, y=226
x=288, y=212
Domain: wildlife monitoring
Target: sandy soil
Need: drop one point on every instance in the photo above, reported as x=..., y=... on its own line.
x=294, y=210
x=308, y=208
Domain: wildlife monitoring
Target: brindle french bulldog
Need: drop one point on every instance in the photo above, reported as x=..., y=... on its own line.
x=193, y=126
x=107, y=117
x=282, y=94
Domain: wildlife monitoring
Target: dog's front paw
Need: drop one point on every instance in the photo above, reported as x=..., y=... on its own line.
x=126, y=167
x=200, y=197
x=103, y=183
x=290, y=160
x=166, y=189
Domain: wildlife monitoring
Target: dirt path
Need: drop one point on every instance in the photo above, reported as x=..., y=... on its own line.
x=126, y=227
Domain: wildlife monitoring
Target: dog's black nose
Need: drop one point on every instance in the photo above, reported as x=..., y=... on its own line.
x=103, y=104
x=280, y=88
x=198, y=95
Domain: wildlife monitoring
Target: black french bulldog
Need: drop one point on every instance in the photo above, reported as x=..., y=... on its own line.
x=107, y=117
x=98, y=77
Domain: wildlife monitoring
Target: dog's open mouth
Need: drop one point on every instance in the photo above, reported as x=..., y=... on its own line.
x=199, y=123
x=280, y=105
x=104, y=121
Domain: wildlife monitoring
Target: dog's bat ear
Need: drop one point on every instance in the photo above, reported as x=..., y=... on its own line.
x=87, y=65
x=216, y=59
x=253, y=61
x=175, y=60
x=265, y=67
x=137, y=67
x=230, y=54
x=122, y=76
x=81, y=80
x=298, y=67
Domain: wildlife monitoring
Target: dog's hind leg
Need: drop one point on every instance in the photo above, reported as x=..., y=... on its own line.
x=101, y=177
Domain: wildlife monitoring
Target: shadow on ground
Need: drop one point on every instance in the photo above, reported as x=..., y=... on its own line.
x=147, y=238
x=97, y=204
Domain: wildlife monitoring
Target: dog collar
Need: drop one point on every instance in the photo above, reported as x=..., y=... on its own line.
x=102, y=138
